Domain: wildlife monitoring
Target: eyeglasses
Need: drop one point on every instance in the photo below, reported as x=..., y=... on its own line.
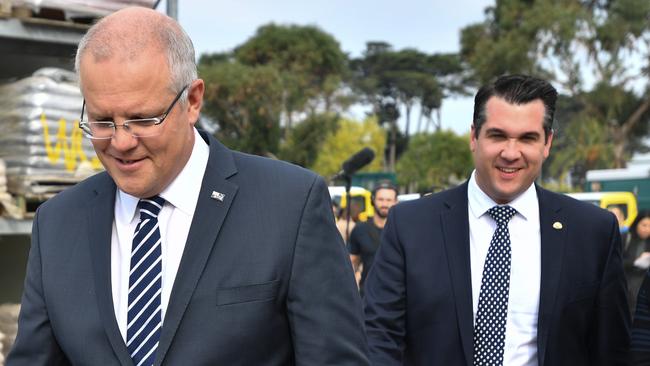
x=141, y=127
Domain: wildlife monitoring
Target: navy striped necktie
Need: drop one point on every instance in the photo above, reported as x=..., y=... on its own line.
x=490, y=323
x=144, y=317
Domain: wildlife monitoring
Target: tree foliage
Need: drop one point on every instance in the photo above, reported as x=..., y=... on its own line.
x=350, y=137
x=391, y=80
x=305, y=140
x=282, y=77
x=245, y=102
x=310, y=62
x=435, y=161
x=597, y=52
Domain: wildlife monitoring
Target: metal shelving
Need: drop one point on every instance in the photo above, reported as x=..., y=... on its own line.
x=27, y=44
x=15, y=227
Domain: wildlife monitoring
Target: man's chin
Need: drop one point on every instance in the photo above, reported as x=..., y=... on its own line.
x=132, y=188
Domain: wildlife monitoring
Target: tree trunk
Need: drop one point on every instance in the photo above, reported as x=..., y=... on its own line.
x=621, y=134
x=328, y=102
x=289, y=123
x=420, y=122
x=285, y=108
x=392, y=154
x=408, y=119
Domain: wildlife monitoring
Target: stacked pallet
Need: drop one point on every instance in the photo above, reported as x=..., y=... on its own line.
x=8, y=206
x=71, y=10
x=8, y=328
x=40, y=141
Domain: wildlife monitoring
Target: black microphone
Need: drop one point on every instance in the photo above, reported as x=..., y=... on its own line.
x=357, y=161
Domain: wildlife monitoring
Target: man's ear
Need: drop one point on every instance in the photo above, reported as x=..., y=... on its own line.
x=195, y=100
x=548, y=143
x=472, y=138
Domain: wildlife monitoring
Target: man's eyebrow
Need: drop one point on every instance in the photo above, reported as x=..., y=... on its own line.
x=494, y=130
x=498, y=131
x=139, y=112
x=534, y=134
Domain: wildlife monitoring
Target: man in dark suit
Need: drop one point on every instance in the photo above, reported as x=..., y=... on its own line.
x=500, y=271
x=235, y=259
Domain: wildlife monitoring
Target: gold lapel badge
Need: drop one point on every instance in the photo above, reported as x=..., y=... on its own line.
x=557, y=225
x=217, y=196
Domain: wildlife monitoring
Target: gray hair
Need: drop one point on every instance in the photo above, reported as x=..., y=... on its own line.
x=127, y=36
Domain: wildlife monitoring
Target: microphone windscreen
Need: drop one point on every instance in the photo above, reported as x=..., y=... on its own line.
x=358, y=160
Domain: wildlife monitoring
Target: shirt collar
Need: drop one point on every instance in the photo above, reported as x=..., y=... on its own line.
x=183, y=191
x=479, y=202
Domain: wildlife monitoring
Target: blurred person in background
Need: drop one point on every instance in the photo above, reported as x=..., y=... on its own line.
x=366, y=236
x=620, y=217
x=636, y=255
x=344, y=225
x=640, y=347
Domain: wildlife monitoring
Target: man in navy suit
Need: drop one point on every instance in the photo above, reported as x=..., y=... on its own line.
x=500, y=271
x=183, y=252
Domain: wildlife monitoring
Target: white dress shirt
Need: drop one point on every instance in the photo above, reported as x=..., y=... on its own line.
x=174, y=221
x=525, y=273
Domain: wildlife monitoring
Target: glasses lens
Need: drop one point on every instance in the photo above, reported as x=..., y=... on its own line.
x=144, y=127
x=98, y=130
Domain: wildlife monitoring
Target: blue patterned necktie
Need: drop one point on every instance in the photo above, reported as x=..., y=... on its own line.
x=144, y=318
x=490, y=323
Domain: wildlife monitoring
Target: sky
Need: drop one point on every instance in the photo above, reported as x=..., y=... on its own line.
x=430, y=26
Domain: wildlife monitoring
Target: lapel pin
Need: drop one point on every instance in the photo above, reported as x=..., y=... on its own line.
x=557, y=225
x=217, y=196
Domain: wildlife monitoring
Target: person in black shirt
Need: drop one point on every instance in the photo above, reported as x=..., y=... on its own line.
x=636, y=255
x=639, y=246
x=366, y=236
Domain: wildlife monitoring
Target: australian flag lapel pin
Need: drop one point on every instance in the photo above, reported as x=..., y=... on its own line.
x=217, y=196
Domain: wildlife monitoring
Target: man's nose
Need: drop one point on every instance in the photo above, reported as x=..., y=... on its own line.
x=122, y=139
x=511, y=150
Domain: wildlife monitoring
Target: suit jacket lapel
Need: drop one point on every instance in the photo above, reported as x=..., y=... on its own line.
x=455, y=227
x=206, y=224
x=553, y=242
x=100, y=220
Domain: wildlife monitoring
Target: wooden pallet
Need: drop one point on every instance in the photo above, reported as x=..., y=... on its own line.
x=29, y=192
x=27, y=206
x=20, y=207
x=5, y=8
x=44, y=15
x=39, y=186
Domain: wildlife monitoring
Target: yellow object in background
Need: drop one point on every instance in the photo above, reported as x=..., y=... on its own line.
x=625, y=201
x=71, y=152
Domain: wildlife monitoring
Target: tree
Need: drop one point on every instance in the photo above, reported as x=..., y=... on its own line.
x=306, y=139
x=391, y=80
x=280, y=74
x=245, y=102
x=591, y=49
x=436, y=160
x=582, y=147
x=309, y=61
x=350, y=137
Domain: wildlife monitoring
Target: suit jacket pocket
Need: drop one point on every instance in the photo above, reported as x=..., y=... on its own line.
x=584, y=291
x=249, y=293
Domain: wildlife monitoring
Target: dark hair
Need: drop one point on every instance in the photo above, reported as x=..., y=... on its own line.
x=516, y=89
x=643, y=214
x=383, y=185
